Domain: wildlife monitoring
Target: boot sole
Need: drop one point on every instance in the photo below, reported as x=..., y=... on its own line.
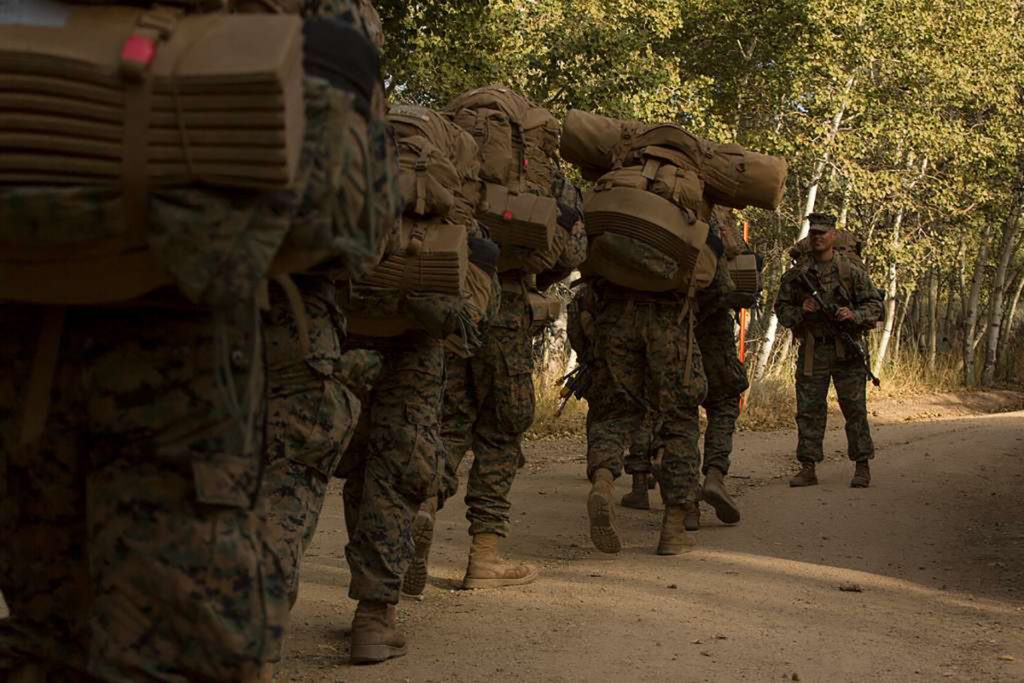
x=375, y=654
x=859, y=485
x=692, y=527
x=479, y=583
x=724, y=509
x=801, y=485
x=602, y=525
x=415, y=580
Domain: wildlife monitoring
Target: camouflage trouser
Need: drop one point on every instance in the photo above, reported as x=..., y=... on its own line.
x=640, y=352
x=850, y=379
x=132, y=530
x=488, y=406
x=641, y=454
x=311, y=417
x=394, y=463
x=727, y=380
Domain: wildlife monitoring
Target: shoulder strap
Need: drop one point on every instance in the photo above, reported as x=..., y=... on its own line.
x=845, y=273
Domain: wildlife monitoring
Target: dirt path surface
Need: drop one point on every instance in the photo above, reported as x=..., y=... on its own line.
x=936, y=547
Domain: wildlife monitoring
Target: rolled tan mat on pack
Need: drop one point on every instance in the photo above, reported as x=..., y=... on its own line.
x=219, y=111
x=439, y=266
x=595, y=142
x=646, y=217
x=519, y=220
x=744, y=273
x=738, y=177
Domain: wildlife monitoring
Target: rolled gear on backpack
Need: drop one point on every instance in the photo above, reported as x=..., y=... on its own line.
x=734, y=176
x=743, y=266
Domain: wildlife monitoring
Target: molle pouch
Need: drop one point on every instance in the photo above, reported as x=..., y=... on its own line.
x=519, y=220
x=493, y=133
x=544, y=310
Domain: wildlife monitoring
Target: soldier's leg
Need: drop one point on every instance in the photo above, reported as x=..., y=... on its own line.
x=676, y=385
x=850, y=380
x=311, y=417
x=503, y=379
x=43, y=563
x=176, y=539
x=727, y=380
x=811, y=402
x=617, y=406
x=458, y=418
x=639, y=463
x=402, y=469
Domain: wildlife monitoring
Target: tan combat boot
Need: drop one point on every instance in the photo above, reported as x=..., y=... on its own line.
x=374, y=637
x=674, y=540
x=861, y=475
x=266, y=674
x=415, y=579
x=638, y=498
x=691, y=518
x=487, y=570
x=806, y=476
x=718, y=497
x=601, y=509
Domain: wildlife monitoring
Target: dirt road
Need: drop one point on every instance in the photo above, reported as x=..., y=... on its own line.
x=936, y=546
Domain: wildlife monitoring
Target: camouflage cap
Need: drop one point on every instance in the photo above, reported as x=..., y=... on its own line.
x=821, y=222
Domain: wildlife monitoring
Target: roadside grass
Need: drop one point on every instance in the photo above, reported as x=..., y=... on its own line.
x=771, y=401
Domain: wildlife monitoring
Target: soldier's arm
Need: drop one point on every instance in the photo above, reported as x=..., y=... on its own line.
x=789, y=302
x=868, y=305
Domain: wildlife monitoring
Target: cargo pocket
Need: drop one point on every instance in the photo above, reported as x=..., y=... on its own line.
x=420, y=454
x=512, y=391
x=312, y=419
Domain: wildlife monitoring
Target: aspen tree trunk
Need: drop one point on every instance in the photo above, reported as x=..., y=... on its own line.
x=971, y=307
x=933, y=319
x=890, y=300
x=765, y=352
x=1010, y=230
x=1008, y=320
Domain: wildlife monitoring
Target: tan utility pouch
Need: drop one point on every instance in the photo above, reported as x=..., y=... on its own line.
x=97, y=94
x=427, y=179
x=744, y=273
x=519, y=220
x=650, y=219
x=435, y=260
x=544, y=310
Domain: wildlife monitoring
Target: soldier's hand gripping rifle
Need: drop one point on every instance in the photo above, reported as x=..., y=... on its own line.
x=830, y=312
x=576, y=383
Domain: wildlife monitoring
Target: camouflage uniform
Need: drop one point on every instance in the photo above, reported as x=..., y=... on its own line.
x=132, y=528
x=641, y=346
x=489, y=399
x=824, y=358
x=393, y=464
x=311, y=416
x=727, y=380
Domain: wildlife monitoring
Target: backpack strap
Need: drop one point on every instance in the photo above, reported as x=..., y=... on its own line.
x=44, y=367
x=845, y=273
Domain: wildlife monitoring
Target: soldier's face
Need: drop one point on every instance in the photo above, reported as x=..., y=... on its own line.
x=822, y=240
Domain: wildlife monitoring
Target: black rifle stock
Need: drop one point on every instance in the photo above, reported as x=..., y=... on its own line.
x=848, y=339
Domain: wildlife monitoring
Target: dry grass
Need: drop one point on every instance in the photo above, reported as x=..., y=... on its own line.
x=771, y=402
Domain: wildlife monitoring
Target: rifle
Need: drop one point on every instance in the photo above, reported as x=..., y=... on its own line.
x=576, y=383
x=845, y=337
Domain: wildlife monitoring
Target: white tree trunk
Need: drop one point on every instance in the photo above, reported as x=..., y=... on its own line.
x=971, y=306
x=890, y=300
x=1008, y=320
x=1009, y=244
x=933, y=318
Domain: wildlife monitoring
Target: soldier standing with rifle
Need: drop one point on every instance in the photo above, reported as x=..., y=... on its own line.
x=828, y=304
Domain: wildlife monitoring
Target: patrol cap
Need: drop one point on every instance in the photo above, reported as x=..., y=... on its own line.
x=821, y=222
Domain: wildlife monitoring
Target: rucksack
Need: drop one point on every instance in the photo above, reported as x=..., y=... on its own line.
x=734, y=176
x=94, y=240
x=434, y=255
x=741, y=276
x=518, y=140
